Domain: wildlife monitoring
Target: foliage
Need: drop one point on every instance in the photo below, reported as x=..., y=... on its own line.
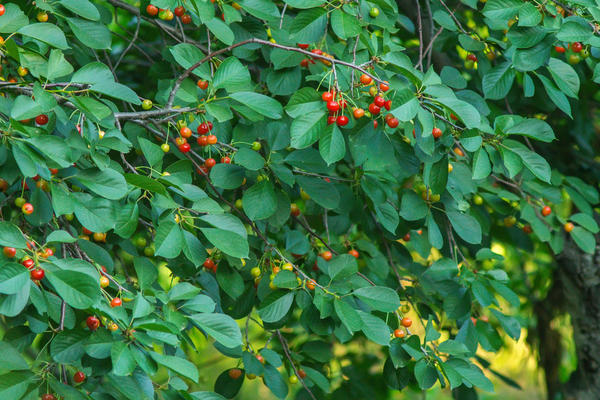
x=322, y=223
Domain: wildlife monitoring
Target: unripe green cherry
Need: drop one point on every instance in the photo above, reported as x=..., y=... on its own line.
x=165, y=147
x=19, y=201
x=147, y=104
x=256, y=146
x=374, y=12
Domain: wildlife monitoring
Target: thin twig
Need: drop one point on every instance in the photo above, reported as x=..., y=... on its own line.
x=286, y=351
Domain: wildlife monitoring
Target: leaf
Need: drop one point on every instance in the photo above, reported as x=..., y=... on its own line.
x=344, y=25
x=107, y=183
x=12, y=278
x=249, y=159
x=221, y=30
x=117, y=91
x=309, y=26
x=169, y=239
x=564, y=76
x=375, y=329
x=323, y=193
x=482, y=167
x=146, y=183
x=13, y=20
x=533, y=128
x=78, y=289
x=259, y=200
x=387, y=216
x=232, y=75
x=533, y=161
x=45, y=32
x=83, y=8
x=220, y=326
x=497, y=82
x=306, y=129
x=348, y=315
x=332, y=145
x=260, y=103
x=412, y=206
x=584, y=239
x=92, y=34
x=466, y=226
x=574, y=31
x=342, y=266
x=586, y=221
x=122, y=359
x=227, y=241
x=177, y=364
x=11, y=236
x=58, y=66
x=275, y=306
x=60, y=236
x=67, y=346
x=381, y=298
x=556, y=95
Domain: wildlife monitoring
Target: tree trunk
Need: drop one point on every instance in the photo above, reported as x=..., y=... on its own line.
x=576, y=290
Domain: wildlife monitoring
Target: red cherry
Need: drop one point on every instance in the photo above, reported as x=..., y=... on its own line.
x=116, y=302
x=179, y=11
x=577, y=47
x=180, y=140
x=303, y=46
x=326, y=255
x=436, y=133
x=472, y=57
x=317, y=51
x=27, y=209
x=365, y=79
x=41, y=119
x=527, y=229
x=202, y=170
x=28, y=263
x=186, y=19
x=210, y=162
x=225, y=160
x=184, y=148
x=375, y=124
x=211, y=139
x=209, y=264
x=10, y=252
x=560, y=49
x=406, y=322
x=79, y=377
x=407, y=237
x=374, y=109
x=152, y=10
x=37, y=274
x=53, y=171
x=92, y=323
x=379, y=101
x=333, y=106
x=342, y=120
x=204, y=128
x=546, y=211
x=202, y=140
x=48, y=396
x=304, y=63
x=48, y=252
x=388, y=105
x=453, y=117
x=384, y=87
x=393, y=122
x=202, y=84
x=327, y=96
x=185, y=132
x=343, y=103
x=331, y=119
x=399, y=333
x=353, y=253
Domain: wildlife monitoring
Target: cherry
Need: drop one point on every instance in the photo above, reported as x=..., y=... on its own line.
x=42, y=17
x=202, y=140
x=184, y=148
x=436, y=133
x=41, y=119
x=165, y=147
x=152, y=10
x=453, y=117
x=37, y=274
x=310, y=285
x=48, y=396
x=576, y=47
x=9, y=252
x=407, y=237
x=179, y=11
x=301, y=373
x=406, y=322
x=79, y=377
x=147, y=104
x=203, y=84
x=260, y=358
x=28, y=263
x=365, y=79
x=326, y=255
x=343, y=104
x=186, y=19
x=569, y=227
x=342, y=120
x=358, y=113
x=374, y=109
x=560, y=49
x=210, y=162
x=235, y=373
x=225, y=160
x=209, y=264
x=27, y=209
x=374, y=12
x=546, y=210
x=333, y=106
x=256, y=146
x=373, y=91
x=104, y=281
x=472, y=57
x=294, y=209
x=179, y=141
x=293, y=379
x=458, y=151
x=399, y=333
x=303, y=46
x=375, y=124
x=331, y=119
x=387, y=105
x=327, y=96
x=116, y=302
x=185, y=132
x=211, y=139
x=48, y=253
x=353, y=253
x=204, y=128
x=304, y=63
x=393, y=122
x=317, y=51
x=92, y=323
x=384, y=87
x=379, y=101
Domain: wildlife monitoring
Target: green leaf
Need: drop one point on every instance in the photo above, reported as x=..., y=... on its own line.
x=67, y=346
x=232, y=75
x=221, y=30
x=584, y=239
x=146, y=183
x=307, y=128
x=228, y=242
x=260, y=103
x=388, y=216
x=259, y=200
x=323, y=193
x=497, y=82
x=249, y=159
x=11, y=236
x=13, y=19
x=107, y=183
x=221, y=327
x=275, y=306
x=374, y=328
x=262, y=9
x=122, y=359
x=412, y=206
x=586, y=221
x=83, y=8
x=564, y=76
x=12, y=278
x=92, y=34
x=381, y=298
x=169, y=239
x=11, y=358
x=533, y=128
x=309, y=26
x=533, y=161
x=332, y=145
x=348, y=315
x=425, y=374
x=574, y=31
x=344, y=25
x=60, y=236
x=58, y=66
x=186, y=55
x=45, y=32
x=466, y=226
x=180, y=365
x=342, y=266
x=556, y=95
x=482, y=167
x=227, y=176
x=78, y=289
x=117, y=91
